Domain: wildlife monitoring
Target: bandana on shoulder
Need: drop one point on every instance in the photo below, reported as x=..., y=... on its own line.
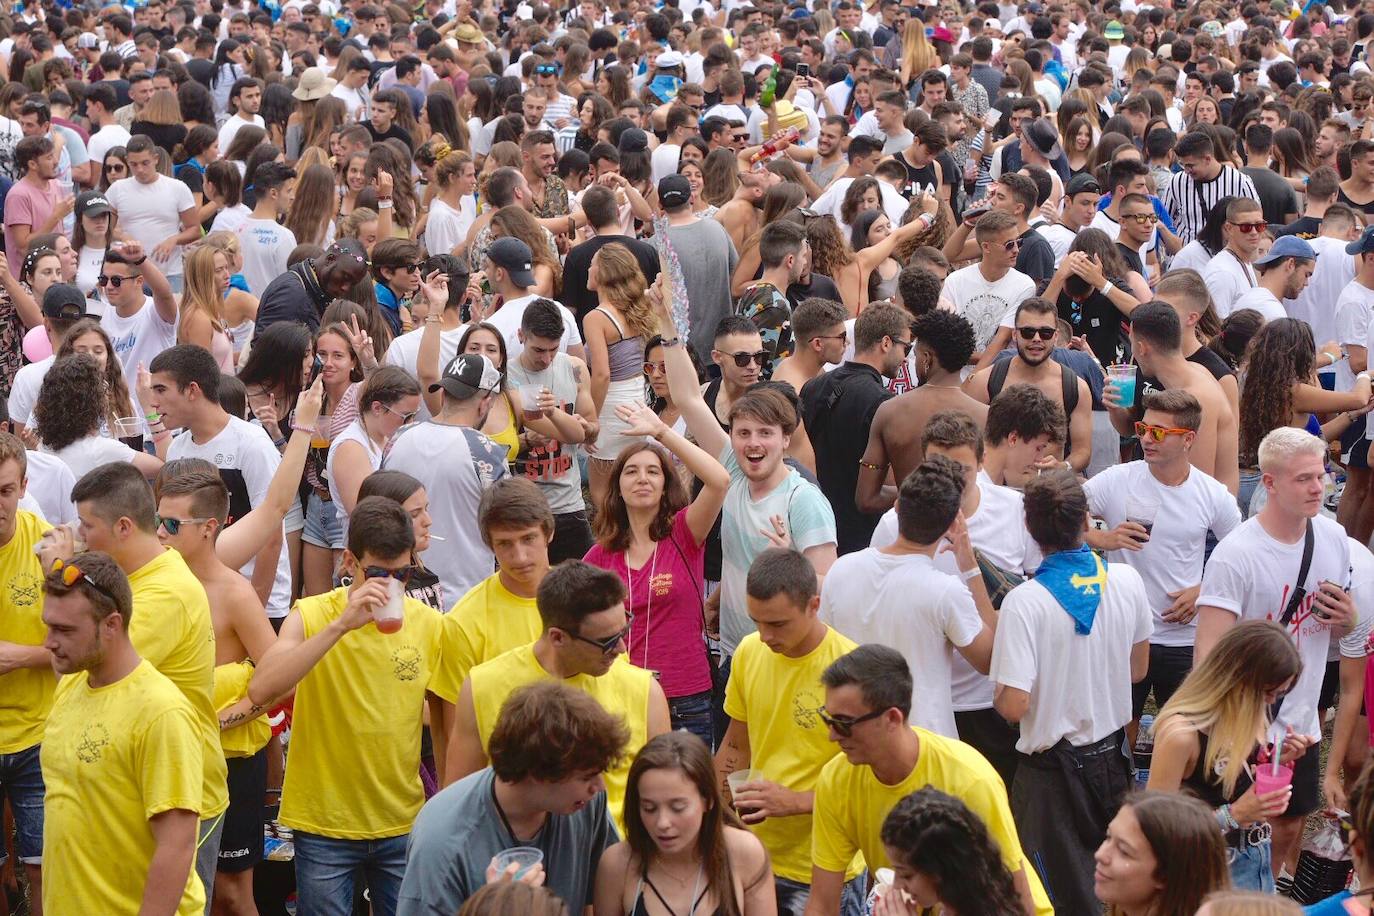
x=1076, y=579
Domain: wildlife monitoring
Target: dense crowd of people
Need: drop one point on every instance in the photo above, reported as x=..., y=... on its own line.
x=978, y=392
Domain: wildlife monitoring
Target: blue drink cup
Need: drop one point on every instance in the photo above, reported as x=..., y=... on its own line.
x=1122, y=378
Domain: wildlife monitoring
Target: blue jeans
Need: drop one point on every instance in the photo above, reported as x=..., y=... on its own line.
x=792, y=896
x=21, y=781
x=326, y=870
x=692, y=713
x=1249, y=482
x=1251, y=868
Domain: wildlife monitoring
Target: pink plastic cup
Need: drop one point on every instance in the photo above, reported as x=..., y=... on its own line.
x=1266, y=781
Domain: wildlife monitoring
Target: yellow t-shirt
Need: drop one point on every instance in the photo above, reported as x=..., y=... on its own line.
x=623, y=691
x=485, y=622
x=354, y=772
x=113, y=757
x=777, y=697
x=25, y=693
x=231, y=685
x=171, y=628
x=851, y=805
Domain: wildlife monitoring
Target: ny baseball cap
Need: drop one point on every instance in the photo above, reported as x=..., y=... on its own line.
x=466, y=374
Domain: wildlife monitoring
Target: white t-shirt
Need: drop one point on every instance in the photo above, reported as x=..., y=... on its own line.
x=507, y=321
x=1251, y=575
x=103, y=140
x=998, y=529
x=49, y=492
x=1262, y=301
x=664, y=161
x=894, y=204
x=1335, y=269
x=1060, y=238
x=446, y=227
x=246, y=459
x=265, y=246
x=231, y=218
x=1192, y=256
x=1227, y=278
x=24, y=390
x=1354, y=309
x=405, y=352
x=354, y=433
x=1172, y=559
x=1079, y=685
x=151, y=213
x=137, y=339
x=232, y=127
x=987, y=305
x=904, y=602
x=456, y=464
x=91, y=452
x=89, y=262
x=355, y=101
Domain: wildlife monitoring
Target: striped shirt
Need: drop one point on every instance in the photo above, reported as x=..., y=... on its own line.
x=1190, y=201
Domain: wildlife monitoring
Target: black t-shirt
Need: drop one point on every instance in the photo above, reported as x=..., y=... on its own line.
x=1366, y=207
x=576, y=296
x=1036, y=258
x=1132, y=258
x=201, y=70
x=838, y=409
x=918, y=179
x=1304, y=227
x=1100, y=323
x=820, y=287
x=391, y=132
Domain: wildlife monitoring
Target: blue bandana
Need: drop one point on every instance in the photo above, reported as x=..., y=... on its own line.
x=1076, y=579
x=665, y=87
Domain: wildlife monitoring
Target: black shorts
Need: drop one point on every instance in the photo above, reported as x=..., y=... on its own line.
x=1354, y=445
x=1331, y=686
x=241, y=846
x=1169, y=665
x=1307, y=796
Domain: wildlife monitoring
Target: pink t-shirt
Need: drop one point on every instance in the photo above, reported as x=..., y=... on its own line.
x=665, y=610
x=26, y=205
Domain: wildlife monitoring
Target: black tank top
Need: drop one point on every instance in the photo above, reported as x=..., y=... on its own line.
x=1207, y=786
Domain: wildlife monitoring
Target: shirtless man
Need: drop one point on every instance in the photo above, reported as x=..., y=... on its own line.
x=1156, y=334
x=1036, y=326
x=818, y=340
x=944, y=344
x=740, y=215
x=192, y=508
x=1186, y=291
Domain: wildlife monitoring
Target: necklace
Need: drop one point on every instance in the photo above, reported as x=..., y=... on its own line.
x=648, y=597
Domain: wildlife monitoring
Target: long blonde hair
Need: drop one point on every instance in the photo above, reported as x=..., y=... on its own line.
x=201, y=292
x=1225, y=695
x=620, y=282
x=917, y=54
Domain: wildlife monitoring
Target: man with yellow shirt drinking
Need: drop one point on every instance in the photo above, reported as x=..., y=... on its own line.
x=353, y=780
x=121, y=757
x=774, y=731
x=583, y=612
x=192, y=505
x=867, y=704
x=171, y=625
x=26, y=677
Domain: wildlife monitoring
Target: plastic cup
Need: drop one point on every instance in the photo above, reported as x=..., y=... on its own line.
x=128, y=427
x=1122, y=377
x=526, y=857
x=736, y=781
x=1143, y=512
x=391, y=616
x=529, y=400
x=1266, y=781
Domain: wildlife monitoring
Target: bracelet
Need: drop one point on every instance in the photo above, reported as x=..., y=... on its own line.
x=434, y=319
x=1106, y=288
x=1227, y=819
x=158, y=437
x=296, y=427
x=138, y=262
x=384, y=205
x=671, y=342
x=968, y=574
x=279, y=442
x=870, y=465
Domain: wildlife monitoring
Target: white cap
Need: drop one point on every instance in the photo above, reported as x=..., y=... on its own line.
x=668, y=59
x=993, y=24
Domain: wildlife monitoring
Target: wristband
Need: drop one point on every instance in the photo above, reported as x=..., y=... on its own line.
x=1227, y=819
x=384, y=205
x=1362, y=375
x=671, y=342
x=968, y=574
x=138, y=262
x=296, y=427
x=1106, y=288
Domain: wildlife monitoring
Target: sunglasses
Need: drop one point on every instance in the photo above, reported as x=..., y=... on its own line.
x=1158, y=433
x=843, y=335
x=173, y=526
x=412, y=268
x=1011, y=245
x=843, y=725
x=1250, y=227
x=405, y=417
x=116, y=282
x=115, y=167
x=742, y=360
x=1141, y=218
x=381, y=572
x=607, y=645
x=70, y=574
x=655, y=368
x=906, y=345
x=1032, y=333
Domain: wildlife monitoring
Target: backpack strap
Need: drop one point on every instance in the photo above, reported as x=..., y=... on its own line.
x=1069, y=379
x=997, y=379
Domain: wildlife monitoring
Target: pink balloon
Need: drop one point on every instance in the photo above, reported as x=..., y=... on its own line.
x=36, y=344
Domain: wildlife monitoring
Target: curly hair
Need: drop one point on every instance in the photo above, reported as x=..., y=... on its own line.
x=830, y=252
x=948, y=335
x=1282, y=354
x=937, y=835
x=119, y=404
x=517, y=222
x=71, y=401
x=620, y=281
x=854, y=195
x=935, y=236
x=552, y=732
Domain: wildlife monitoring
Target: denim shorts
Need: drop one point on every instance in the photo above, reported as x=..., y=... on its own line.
x=322, y=525
x=21, y=782
x=692, y=713
x=1250, y=867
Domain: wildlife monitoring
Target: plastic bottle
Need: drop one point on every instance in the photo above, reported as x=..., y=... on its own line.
x=1144, y=750
x=773, y=148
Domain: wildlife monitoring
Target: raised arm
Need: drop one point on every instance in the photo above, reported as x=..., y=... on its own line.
x=873, y=255
x=164, y=300
x=682, y=375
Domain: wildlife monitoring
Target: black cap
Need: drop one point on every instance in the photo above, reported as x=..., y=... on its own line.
x=64, y=301
x=634, y=140
x=1082, y=184
x=92, y=202
x=674, y=191
x=515, y=257
x=466, y=374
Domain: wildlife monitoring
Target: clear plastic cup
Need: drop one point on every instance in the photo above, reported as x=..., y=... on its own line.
x=1142, y=511
x=391, y=616
x=128, y=427
x=1122, y=377
x=1266, y=781
x=529, y=400
x=526, y=857
x=736, y=781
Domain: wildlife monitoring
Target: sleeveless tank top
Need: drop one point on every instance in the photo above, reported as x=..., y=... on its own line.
x=1207, y=786
x=626, y=355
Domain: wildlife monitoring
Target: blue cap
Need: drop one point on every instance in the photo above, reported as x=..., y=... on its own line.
x=1288, y=246
x=1362, y=244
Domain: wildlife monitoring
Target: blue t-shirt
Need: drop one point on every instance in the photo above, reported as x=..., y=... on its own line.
x=1331, y=906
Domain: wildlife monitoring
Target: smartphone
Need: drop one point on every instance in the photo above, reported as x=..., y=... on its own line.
x=973, y=214
x=991, y=118
x=803, y=70
x=315, y=369
x=1317, y=608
